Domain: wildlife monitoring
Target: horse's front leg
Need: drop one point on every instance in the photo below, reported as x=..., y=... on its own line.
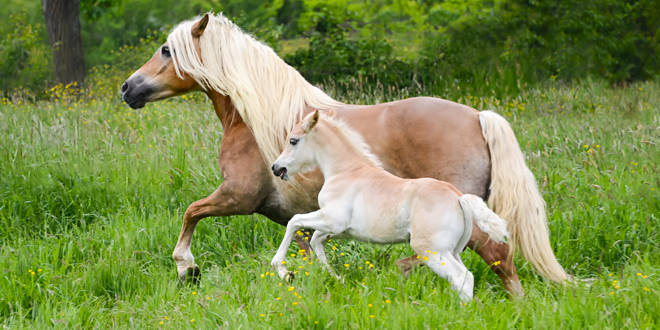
x=228, y=199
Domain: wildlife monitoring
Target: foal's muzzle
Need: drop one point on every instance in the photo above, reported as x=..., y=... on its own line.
x=280, y=172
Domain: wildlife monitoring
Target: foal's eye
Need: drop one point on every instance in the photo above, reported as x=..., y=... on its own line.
x=293, y=142
x=165, y=50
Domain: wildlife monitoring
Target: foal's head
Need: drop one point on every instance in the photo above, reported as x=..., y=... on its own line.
x=157, y=79
x=299, y=152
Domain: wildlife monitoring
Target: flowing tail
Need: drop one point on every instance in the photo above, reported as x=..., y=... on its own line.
x=514, y=196
x=476, y=211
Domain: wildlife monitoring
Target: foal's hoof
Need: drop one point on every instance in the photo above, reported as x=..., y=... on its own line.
x=191, y=275
x=289, y=277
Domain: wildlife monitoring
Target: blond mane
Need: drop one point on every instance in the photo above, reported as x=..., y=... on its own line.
x=353, y=139
x=269, y=95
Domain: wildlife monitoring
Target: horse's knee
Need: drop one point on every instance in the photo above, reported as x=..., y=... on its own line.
x=225, y=201
x=194, y=211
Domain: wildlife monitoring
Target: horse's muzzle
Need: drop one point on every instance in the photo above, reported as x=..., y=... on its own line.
x=280, y=172
x=136, y=91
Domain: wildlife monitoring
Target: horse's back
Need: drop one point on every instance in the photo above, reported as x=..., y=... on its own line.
x=426, y=137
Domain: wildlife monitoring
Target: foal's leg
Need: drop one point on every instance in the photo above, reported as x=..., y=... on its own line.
x=294, y=225
x=312, y=220
x=318, y=244
x=228, y=199
x=445, y=265
x=488, y=250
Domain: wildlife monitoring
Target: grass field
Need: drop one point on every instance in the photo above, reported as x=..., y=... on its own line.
x=92, y=195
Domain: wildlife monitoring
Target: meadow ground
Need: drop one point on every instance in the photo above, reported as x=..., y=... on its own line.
x=92, y=194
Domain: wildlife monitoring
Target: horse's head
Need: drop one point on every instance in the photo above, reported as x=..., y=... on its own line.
x=157, y=79
x=298, y=155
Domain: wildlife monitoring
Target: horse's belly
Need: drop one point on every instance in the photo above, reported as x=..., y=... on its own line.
x=426, y=138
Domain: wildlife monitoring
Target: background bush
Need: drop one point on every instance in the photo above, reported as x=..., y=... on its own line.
x=477, y=46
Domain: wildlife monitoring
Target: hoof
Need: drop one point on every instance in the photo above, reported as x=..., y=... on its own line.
x=191, y=275
x=289, y=277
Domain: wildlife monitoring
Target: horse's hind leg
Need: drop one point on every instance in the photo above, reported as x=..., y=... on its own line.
x=304, y=242
x=406, y=265
x=496, y=255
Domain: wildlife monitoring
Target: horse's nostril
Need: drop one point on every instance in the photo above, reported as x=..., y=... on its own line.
x=272, y=167
x=124, y=87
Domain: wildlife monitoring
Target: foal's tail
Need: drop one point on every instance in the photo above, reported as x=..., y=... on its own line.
x=515, y=197
x=476, y=211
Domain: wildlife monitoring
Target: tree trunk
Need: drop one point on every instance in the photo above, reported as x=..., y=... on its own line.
x=63, y=25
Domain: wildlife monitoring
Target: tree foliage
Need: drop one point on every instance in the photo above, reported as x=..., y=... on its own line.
x=497, y=45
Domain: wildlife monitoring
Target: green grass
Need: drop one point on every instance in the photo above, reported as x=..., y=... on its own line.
x=92, y=195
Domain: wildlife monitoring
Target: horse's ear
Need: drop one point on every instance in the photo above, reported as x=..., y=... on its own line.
x=311, y=122
x=201, y=26
x=331, y=113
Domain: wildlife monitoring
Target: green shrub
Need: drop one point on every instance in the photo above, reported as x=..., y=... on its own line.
x=332, y=54
x=25, y=62
x=557, y=39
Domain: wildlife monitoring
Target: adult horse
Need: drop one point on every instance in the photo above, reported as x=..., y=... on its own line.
x=259, y=98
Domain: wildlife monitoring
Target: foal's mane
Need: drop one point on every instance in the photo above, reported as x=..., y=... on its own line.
x=269, y=95
x=353, y=139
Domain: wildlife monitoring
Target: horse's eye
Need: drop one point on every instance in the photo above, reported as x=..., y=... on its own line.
x=165, y=50
x=293, y=142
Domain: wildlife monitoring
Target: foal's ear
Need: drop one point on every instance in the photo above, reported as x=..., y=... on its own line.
x=311, y=122
x=331, y=113
x=201, y=26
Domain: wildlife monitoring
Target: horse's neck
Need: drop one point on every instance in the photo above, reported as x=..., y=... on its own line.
x=225, y=110
x=335, y=155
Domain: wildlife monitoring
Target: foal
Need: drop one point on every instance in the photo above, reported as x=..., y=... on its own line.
x=360, y=200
